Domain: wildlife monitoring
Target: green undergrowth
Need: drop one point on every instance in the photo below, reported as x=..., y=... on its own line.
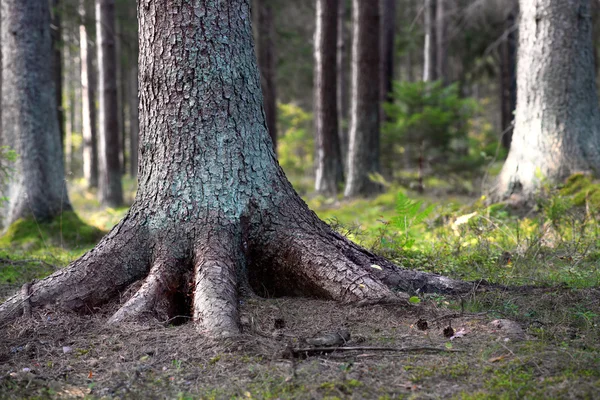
x=557, y=242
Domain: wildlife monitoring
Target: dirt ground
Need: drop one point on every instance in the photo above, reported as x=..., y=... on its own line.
x=57, y=355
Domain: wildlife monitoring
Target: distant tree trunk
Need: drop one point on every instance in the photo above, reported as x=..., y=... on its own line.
x=363, y=155
x=30, y=126
x=56, y=35
x=267, y=62
x=430, y=47
x=68, y=89
x=88, y=97
x=342, y=80
x=111, y=192
x=508, y=78
x=121, y=96
x=330, y=170
x=441, y=55
x=557, y=120
x=388, y=49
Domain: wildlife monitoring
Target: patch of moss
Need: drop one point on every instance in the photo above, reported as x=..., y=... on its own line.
x=582, y=190
x=65, y=231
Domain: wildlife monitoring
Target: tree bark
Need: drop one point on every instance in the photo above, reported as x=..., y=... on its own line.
x=430, y=46
x=330, y=170
x=363, y=155
x=342, y=80
x=134, y=123
x=88, y=98
x=109, y=173
x=214, y=214
x=557, y=121
x=30, y=126
x=56, y=35
x=388, y=49
x=267, y=62
x=508, y=78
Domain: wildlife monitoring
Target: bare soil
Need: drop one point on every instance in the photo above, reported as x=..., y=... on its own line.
x=58, y=355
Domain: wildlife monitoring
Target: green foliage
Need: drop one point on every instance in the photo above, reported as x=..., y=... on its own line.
x=296, y=144
x=431, y=121
x=7, y=157
x=409, y=214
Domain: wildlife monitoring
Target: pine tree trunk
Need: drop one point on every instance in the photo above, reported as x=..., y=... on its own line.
x=557, y=120
x=30, y=126
x=363, y=155
x=109, y=171
x=56, y=35
x=388, y=49
x=430, y=46
x=508, y=78
x=441, y=55
x=88, y=98
x=214, y=215
x=134, y=122
x=342, y=80
x=329, y=163
x=267, y=62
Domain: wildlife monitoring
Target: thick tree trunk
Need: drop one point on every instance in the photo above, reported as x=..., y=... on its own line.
x=430, y=46
x=214, y=213
x=267, y=62
x=30, y=127
x=88, y=91
x=342, y=80
x=508, y=78
x=388, y=49
x=363, y=154
x=134, y=122
x=109, y=171
x=330, y=170
x=557, y=121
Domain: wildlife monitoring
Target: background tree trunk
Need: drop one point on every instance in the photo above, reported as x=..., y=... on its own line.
x=508, y=78
x=430, y=46
x=30, y=125
x=388, y=49
x=363, y=155
x=329, y=163
x=56, y=35
x=88, y=98
x=342, y=80
x=267, y=63
x=111, y=192
x=557, y=121
x=441, y=45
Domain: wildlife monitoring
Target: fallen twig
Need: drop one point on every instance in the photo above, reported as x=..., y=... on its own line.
x=324, y=350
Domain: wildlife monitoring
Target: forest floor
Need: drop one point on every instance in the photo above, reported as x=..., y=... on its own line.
x=546, y=345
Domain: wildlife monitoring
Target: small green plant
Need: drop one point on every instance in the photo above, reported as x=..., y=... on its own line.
x=409, y=214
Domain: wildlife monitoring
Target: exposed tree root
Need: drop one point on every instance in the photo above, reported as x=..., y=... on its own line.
x=199, y=272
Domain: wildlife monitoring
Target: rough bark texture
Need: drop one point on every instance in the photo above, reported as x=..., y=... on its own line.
x=329, y=163
x=88, y=97
x=266, y=63
x=429, y=47
x=342, y=80
x=363, y=153
x=557, y=121
x=214, y=213
x=30, y=127
x=134, y=121
x=508, y=78
x=109, y=172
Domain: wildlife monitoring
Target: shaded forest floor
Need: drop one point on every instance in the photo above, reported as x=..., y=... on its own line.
x=553, y=350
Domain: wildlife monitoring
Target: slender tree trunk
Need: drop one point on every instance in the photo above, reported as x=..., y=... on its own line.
x=557, y=120
x=342, y=80
x=214, y=214
x=430, y=46
x=109, y=172
x=56, y=35
x=441, y=55
x=68, y=89
x=508, y=78
x=122, y=98
x=388, y=49
x=363, y=156
x=30, y=126
x=88, y=90
x=267, y=62
x=330, y=169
